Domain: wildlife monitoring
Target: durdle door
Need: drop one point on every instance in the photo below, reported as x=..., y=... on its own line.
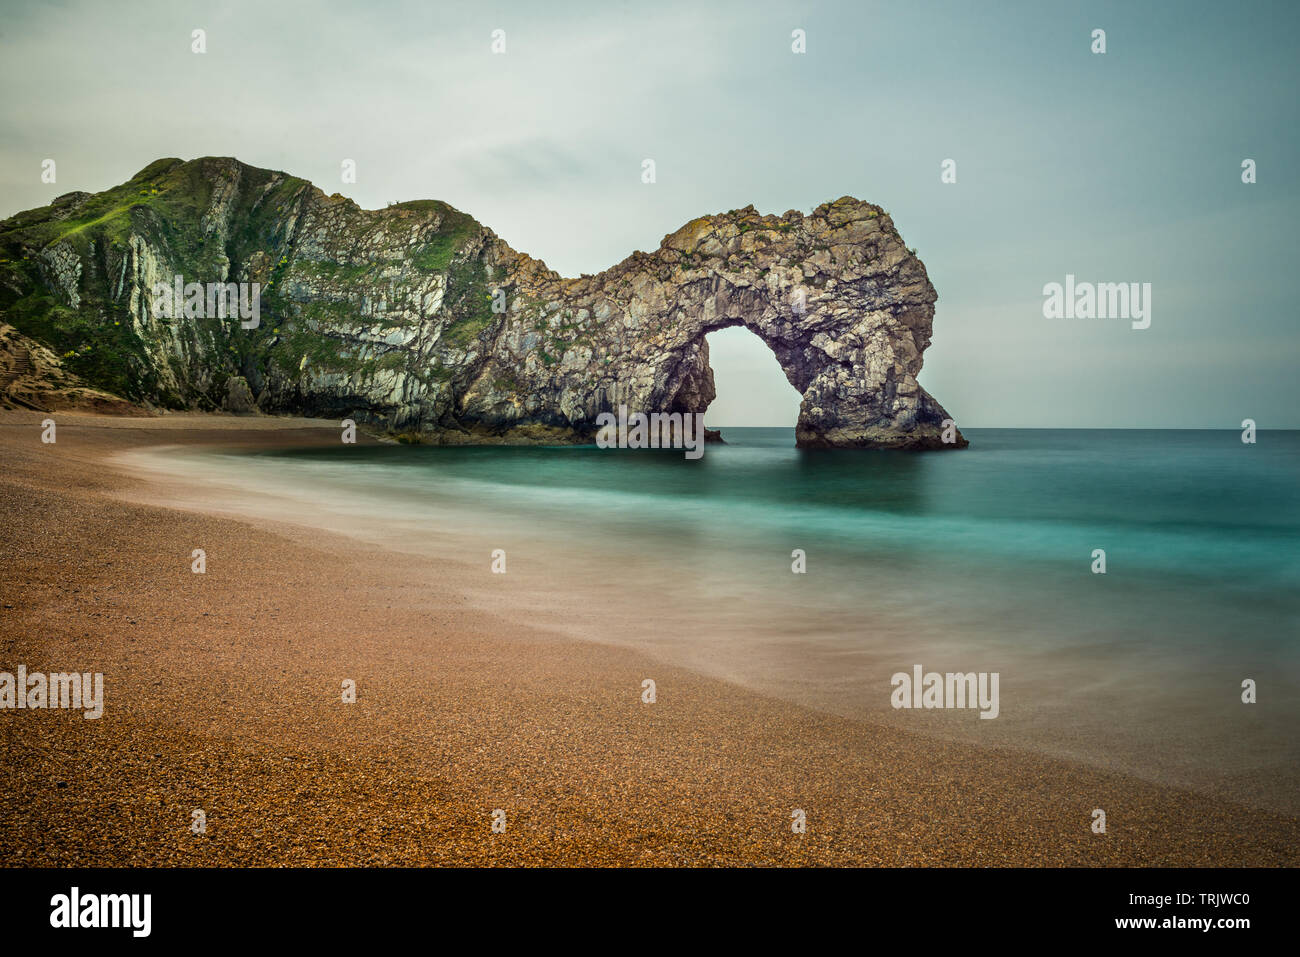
x=416, y=319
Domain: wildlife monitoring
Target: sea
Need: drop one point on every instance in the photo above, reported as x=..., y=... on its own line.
x=1137, y=592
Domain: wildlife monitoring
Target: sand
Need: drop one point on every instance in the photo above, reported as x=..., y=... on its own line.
x=223, y=693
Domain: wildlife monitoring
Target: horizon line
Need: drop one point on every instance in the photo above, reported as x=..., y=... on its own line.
x=1065, y=428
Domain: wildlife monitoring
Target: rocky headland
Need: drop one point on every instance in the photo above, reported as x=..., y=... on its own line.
x=419, y=321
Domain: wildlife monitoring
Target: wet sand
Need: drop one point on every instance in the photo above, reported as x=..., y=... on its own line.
x=223, y=694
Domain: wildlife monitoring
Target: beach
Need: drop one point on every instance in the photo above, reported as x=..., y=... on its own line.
x=223, y=694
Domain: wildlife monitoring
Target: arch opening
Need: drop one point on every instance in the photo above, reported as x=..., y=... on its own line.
x=751, y=389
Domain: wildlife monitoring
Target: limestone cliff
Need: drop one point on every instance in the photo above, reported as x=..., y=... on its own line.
x=417, y=319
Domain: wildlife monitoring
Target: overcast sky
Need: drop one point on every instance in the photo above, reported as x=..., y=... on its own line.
x=1115, y=167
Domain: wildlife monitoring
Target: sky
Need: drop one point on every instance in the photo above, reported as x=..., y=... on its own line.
x=1123, y=166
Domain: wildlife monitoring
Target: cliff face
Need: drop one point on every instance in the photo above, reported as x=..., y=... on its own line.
x=418, y=319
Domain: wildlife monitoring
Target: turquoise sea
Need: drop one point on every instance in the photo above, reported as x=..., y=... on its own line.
x=973, y=560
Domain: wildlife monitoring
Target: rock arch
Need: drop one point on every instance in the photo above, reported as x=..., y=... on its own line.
x=394, y=317
x=843, y=305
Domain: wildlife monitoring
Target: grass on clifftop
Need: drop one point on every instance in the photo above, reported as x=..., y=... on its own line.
x=454, y=232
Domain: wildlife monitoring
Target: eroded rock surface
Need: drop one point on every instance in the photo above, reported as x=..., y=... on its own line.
x=419, y=320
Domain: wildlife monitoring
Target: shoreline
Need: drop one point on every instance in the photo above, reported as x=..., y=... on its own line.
x=222, y=694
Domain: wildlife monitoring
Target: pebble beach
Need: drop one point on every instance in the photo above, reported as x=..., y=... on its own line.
x=223, y=695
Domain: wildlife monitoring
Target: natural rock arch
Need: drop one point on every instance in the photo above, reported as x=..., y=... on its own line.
x=392, y=316
x=843, y=305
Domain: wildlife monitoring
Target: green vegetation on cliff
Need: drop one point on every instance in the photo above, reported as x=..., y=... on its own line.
x=72, y=276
